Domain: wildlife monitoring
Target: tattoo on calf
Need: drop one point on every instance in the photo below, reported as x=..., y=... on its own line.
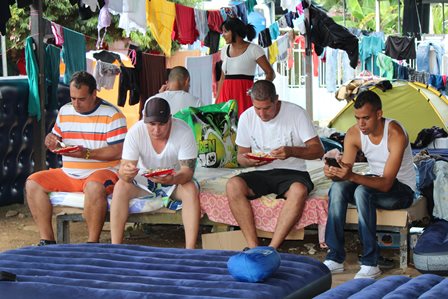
x=190, y=163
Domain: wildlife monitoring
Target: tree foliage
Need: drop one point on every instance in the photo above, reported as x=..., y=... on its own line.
x=65, y=14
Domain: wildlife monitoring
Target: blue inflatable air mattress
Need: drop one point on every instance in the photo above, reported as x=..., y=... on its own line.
x=131, y=271
x=431, y=250
x=425, y=286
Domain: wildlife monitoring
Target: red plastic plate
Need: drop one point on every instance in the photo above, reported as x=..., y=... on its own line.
x=67, y=149
x=260, y=158
x=158, y=172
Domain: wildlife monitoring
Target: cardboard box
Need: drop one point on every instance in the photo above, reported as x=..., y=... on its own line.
x=234, y=240
x=383, y=217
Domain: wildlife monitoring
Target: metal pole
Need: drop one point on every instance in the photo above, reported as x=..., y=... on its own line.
x=37, y=31
x=4, y=63
x=308, y=70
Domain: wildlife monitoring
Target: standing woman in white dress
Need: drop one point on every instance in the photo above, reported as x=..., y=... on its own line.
x=239, y=61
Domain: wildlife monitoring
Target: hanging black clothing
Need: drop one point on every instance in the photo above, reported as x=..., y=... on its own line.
x=152, y=76
x=5, y=14
x=264, y=38
x=107, y=56
x=212, y=41
x=414, y=12
x=325, y=32
x=400, y=47
x=128, y=81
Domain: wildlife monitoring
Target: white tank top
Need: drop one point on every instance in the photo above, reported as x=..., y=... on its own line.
x=377, y=155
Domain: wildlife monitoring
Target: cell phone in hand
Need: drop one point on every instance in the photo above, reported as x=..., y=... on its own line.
x=332, y=162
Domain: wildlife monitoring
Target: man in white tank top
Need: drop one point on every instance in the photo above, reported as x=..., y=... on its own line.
x=390, y=185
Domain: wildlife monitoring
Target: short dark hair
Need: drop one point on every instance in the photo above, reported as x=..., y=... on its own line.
x=178, y=74
x=263, y=90
x=368, y=97
x=83, y=78
x=239, y=28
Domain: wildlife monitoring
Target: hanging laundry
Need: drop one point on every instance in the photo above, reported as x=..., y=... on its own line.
x=400, y=47
x=282, y=43
x=128, y=81
x=228, y=12
x=116, y=6
x=369, y=48
x=32, y=71
x=73, y=53
x=215, y=20
x=216, y=71
x=134, y=16
x=160, y=17
x=104, y=20
x=273, y=52
x=212, y=41
x=325, y=32
x=264, y=38
x=152, y=76
x=5, y=15
x=105, y=74
x=427, y=62
x=92, y=4
x=250, y=5
x=58, y=32
x=184, y=29
x=200, y=69
x=52, y=74
x=385, y=65
x=241, y=11
x=200, y=17
x=274, y=30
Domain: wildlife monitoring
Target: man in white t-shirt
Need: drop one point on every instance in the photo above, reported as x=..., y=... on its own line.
x=285, y=132
x=175, y=91
x=158, y=141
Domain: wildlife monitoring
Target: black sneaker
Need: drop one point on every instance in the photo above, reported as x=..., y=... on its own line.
x=383, y=262
x=43, y=242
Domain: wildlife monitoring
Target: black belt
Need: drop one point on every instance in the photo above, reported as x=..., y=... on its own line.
x=239, y=77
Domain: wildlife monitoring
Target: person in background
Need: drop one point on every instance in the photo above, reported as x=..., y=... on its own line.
x=99, y=129
x=390, y=184
x=239, y=60
x=158, y=141
x=285, y=132
x=175, y=91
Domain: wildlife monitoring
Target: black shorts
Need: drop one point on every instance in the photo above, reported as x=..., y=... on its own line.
x=276, y=181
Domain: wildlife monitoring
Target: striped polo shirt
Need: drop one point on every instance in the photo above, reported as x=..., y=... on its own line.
x=103, y=126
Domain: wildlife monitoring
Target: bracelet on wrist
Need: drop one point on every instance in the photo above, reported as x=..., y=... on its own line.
x=87, y=157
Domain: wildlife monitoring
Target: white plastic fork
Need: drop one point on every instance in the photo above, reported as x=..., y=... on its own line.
x=62, y=144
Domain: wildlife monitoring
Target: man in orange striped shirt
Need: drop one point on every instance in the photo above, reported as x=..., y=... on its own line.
x=97, y=129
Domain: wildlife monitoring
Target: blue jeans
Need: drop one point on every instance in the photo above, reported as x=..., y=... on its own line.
x=367, y=200
x=423, y=57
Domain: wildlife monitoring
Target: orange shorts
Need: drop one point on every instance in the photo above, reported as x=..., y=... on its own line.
x=55, y=180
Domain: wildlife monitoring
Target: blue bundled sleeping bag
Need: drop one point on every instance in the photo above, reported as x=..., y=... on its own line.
x=254, y=265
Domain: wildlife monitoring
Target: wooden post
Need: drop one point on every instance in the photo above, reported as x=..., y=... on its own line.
x=37, y=32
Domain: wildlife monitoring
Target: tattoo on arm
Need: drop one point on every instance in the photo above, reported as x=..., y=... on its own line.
x=190, y=163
